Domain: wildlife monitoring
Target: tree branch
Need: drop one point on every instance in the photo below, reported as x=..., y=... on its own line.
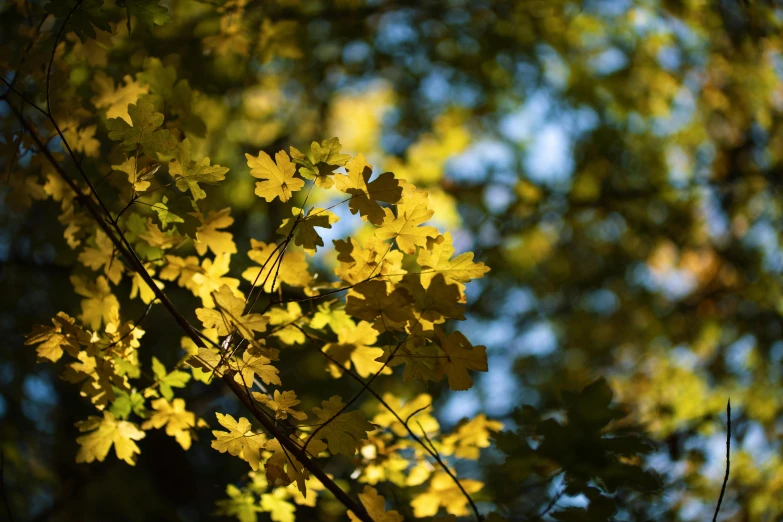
x=728, y=460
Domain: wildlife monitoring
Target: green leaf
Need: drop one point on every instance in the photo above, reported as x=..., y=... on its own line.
x=125, y=403
x=167, y=381
x=188, y=173
x=148, y=12
x=144, y=134
x=84, y=19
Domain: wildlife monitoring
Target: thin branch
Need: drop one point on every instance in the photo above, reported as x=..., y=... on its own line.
x=728, y=460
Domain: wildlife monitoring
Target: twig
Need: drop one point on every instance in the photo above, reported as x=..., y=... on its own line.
x=728, y=460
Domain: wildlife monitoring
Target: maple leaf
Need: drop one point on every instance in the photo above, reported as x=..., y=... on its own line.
x=365, y=193
x=444, y=492
x=292, y=269
x=321, y=161
x=345, y=432
x=211, y=278
x=239, y=440
x=116, y=100
x=278, y=506
x=175, y=417
x=461, y=356
x=208, y=235
x=83, y=140
x=143, y=134
x=101, y=305
x=188, y=173
x=182, y=270
x=354, y=345
x=375, y=505
x=140, y=287
x=281, y=404
x=254, y=363
x=84, y=19
x=148, y=12
x=240, y=504
x=305, y=234
x=277, y=180
x=138, y=179
x=283, y=319
x=436, y=259
x=103, y=255
x=415, y=410
x=165, y=380
x=53, y=340
x=438, y=302
x=420, y=359
x=405, y=228
x=155, y=237
x=388, y=311
x=228, y=315
x=470, y=436
x=103, y=434
x=283, y=469
x=375, y=258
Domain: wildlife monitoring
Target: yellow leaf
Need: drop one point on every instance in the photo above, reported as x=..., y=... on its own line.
x=321, y=162
x=239, y=440
x=52, y=340
x=208, y=235
x=418, y=422
x=281, y=404
x=405, y=228
x=461, y=356
x=354, y=345
x=277, y=180
x=103, y=434
x=277, y=505
x=375, y=505
x=101, y=305
x=375, y=258
x=291, y=270
x=389, y=311
x=175, y=417
x=344, y=432
x=228, y=315
x=283, y=319
x=155, y=237
x=436, y=259
x=283, y=469
x=211, y=279
x=433, y=305
x=116, y=100
x=365, y=194
x=103, y=255
x=444, y=492
x=469, y=437
x=183, y=270
x=305, y=234
x=129, y=168
x=253, y=363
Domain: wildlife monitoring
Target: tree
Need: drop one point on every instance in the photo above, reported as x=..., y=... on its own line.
x=202, y=239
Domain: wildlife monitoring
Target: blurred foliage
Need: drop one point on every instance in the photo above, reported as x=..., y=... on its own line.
x=616, y=163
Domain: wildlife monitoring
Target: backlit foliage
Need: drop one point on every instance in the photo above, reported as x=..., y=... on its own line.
x=281, y=196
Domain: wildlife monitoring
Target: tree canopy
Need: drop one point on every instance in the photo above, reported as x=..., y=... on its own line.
x=391, y=260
